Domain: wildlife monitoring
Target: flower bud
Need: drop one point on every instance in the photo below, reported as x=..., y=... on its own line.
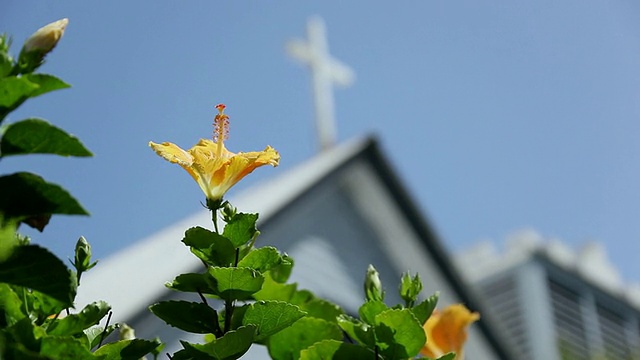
x=47, y=37
x=372, y=285
x=410, y=288
x=38, y=46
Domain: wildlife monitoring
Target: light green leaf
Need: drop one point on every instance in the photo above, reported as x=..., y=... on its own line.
x=75, y=323
x=34, y=267
x=241, y=229
x=126, y=349
x=46, y=83
x=398, y=334
x=10, y=304
x=423, y=310
x=322, y=309
x=14, y=90
x=336, y=350
x=24, y=194
x=262, y=259
x=231, y=346
x=272, y=290
x=270, y=317
x=370, y=309
x=305, y=332
x=282, y=271
x=65, y=347
x=236, y=283
x=37, y=136
x=193, y=317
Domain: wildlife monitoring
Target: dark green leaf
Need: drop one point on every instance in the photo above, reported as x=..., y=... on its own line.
x=236, y=283
x=398, y=334
x=127, y=349
x=262, y=259
x=357, y=330
x=423, y=310
x=370, y=309
x=14, y=90
x=75, y=323
x=336, y=350
x=193, y=317
x=270, y=317
x=36, y=136
x=214, y=249
x=34, y=267
x=46, y=83
x=24, y=194
x=229, y=347
x=305, y=332
x=64, y=347
x=241, y=229
x=202, y=283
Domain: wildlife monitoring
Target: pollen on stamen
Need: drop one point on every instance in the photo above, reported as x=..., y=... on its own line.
x=220, y=125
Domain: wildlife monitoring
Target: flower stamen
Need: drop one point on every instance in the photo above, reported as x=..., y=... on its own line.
x=220, y=128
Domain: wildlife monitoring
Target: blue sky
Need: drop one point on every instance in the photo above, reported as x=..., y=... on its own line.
x=497, y=115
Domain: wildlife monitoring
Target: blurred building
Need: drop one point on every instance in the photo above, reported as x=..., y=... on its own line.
x=334, y=214
x=556, y=303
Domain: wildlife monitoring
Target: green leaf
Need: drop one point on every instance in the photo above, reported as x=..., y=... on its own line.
x=46, y=83
x=236, y=283
x=370, y=309
x=193, y=317
x=34, y=267
x=270, y=317
x=202, y=283
x=357, y=330
x=449, y=356
x=262, y=259
x=42, y=306
x=305, y=332
x=272, y=290
x=10, y=305
x=231, y=346
x=24, y=194
x=75, y=323
x=132, y=349
x=398, y=334
x=64, y=347
x=94, y=334
x=282, y=271
x=423, y=310
x=214, y=249
x=336, y=350
x=241, y=229
x=14, y=90
x=37, y=136
x=322, y=309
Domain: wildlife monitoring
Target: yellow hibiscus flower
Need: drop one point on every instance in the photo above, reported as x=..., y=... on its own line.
x=211, y=165
x=447, y=331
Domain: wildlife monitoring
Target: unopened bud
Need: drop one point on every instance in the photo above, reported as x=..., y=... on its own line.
x=372, y=285
x=39, y=45
x=47, y=37
x=127, y=332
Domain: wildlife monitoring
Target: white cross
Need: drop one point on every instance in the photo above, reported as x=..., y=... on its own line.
x=325, y=71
